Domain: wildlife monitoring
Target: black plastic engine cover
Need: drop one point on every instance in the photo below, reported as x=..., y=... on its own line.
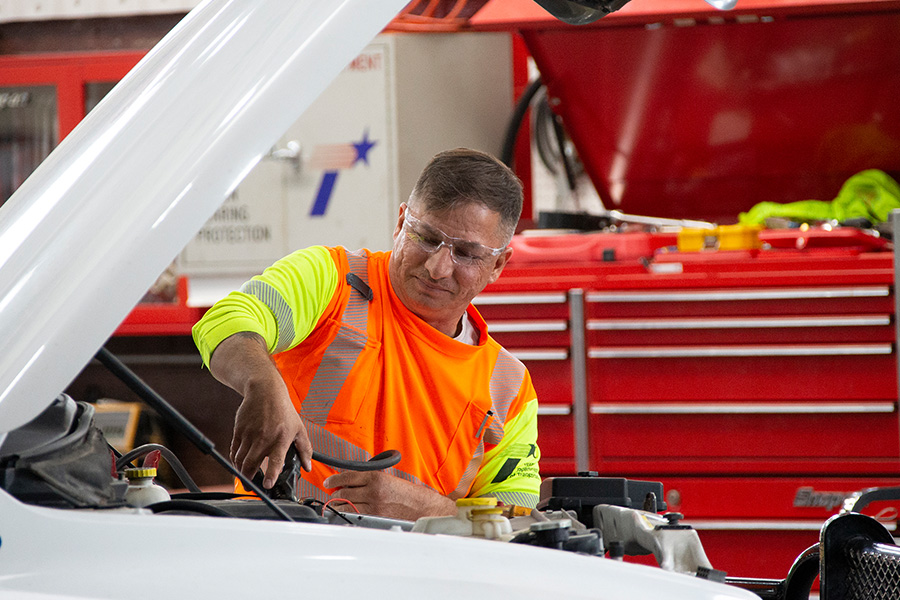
x=582, y=494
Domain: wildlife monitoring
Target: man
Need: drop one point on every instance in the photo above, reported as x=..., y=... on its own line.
x=380, y=351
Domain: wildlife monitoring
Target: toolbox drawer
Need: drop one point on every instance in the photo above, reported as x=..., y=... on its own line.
x=758, y=330
x=527, y=306
x=835, y=438
x=795, y=498
x=740, y=302
x=847, y=372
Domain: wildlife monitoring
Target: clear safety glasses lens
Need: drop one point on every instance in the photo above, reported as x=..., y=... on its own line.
x=431, y=239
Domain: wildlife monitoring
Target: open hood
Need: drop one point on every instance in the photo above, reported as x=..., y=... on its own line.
x=99, y=220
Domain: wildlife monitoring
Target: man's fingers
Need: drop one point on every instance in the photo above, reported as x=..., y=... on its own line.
x=304, y=449
x=233, y=450
x=346, y=479
x=248, y=465
x=239, y=451
x=249, y=461
x=276, y=463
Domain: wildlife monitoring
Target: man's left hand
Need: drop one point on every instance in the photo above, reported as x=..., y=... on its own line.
x=378, y=493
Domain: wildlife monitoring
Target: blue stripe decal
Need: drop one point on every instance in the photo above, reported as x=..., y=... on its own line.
x=324, y=194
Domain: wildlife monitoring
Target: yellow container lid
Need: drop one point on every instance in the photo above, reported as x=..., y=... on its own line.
x=494, y=510
x=479, y=502
x=139, y=472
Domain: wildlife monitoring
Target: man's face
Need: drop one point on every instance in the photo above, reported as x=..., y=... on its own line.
x=434, y=282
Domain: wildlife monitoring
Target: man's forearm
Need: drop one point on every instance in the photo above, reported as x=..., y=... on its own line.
x=240, y=360
x=266, y=423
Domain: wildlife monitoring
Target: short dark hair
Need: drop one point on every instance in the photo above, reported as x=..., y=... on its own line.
x=466, y=175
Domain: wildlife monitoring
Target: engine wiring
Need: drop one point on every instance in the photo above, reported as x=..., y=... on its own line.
x=353, y=506
x=315, y=503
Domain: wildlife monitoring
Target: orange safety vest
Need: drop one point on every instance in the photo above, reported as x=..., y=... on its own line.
x=372, y=377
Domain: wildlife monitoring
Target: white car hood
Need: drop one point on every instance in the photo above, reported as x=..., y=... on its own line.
x=55, y=553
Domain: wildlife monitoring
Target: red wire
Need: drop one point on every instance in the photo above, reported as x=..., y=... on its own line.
x=324, y=506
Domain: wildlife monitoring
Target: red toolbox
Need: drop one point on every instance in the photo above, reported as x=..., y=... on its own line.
x=761, y=391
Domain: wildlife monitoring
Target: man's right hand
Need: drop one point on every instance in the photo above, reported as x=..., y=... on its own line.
x=266, y=423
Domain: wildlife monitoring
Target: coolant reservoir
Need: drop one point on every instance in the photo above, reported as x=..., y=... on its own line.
x=142, y=490
x=478, y=517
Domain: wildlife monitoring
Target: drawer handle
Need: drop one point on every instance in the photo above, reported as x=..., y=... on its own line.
x=525, y=326
x=554, y=410
x=729, y=295
x=493, y=299
x=540, y=354
x=736, y=323
x=740, y=351
x=743, y=408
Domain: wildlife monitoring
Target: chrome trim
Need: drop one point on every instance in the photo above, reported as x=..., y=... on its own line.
x=525, y=326
x=539, y=354
x=748, y=408
x=741, y=351
x=580, y=407
x=895, y=223
x=554, y=410
x=728, y=295
x=736, y=322
x=537, y=298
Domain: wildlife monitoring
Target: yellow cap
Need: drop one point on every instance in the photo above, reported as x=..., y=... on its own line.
x=495, y=510
x=462, y=502
x=140, y=472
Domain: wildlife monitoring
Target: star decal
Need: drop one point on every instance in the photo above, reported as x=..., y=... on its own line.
x=362, y=148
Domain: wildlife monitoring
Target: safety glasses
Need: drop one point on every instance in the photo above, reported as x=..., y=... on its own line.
x=430, y=239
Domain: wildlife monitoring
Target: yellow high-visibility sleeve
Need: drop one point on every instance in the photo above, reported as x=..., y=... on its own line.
x=282, y=305
x=510, y=470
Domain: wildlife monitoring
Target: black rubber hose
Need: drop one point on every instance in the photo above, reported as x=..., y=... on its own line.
x=187, y=506
x=379, y=462
x=561, y=144
x=168, y=455
x=515, y=122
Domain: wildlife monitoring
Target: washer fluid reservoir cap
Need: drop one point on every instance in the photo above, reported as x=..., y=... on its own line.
x=140, y=472
x=476, y=502
x=490, y=510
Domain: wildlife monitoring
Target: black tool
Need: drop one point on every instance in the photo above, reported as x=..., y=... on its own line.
x=286, y=484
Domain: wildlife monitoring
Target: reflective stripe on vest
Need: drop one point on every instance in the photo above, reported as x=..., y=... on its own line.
x=284, y=316
x=506, y=380
x=331, y=374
